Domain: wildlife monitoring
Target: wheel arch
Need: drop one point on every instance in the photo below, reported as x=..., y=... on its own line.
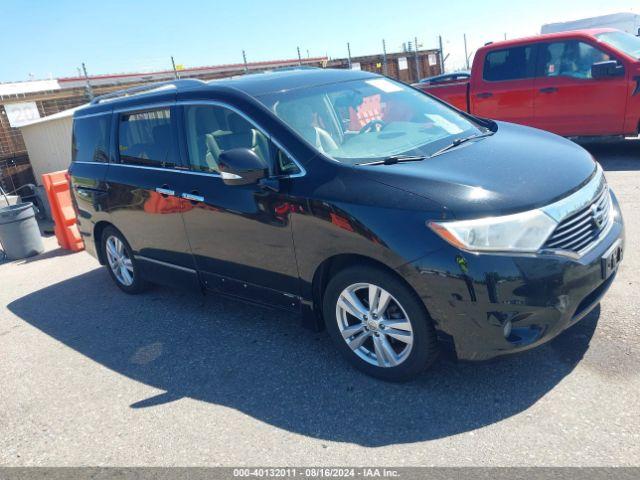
x=336, y=263
x=97, y=239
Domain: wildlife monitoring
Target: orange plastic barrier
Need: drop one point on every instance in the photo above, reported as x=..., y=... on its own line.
x=56, y=185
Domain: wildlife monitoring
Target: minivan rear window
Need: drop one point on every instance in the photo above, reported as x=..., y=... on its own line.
x=90, y=141
x=145, y=138
x=509, y=64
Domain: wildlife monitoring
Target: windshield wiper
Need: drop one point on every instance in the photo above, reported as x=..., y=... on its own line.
x=460, y=141
x=393, y=159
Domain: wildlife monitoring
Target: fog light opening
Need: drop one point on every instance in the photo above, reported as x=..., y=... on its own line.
x=507, y=329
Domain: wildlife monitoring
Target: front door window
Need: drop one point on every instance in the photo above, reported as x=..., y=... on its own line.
x=570, y=59
x=212, y=129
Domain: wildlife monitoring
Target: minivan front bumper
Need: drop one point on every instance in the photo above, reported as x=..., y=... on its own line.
x=491, y=305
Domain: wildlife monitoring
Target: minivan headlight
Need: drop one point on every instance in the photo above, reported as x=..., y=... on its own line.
x=522, y=232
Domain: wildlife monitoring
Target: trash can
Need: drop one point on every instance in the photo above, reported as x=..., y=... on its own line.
x=19, y=232
x=8, y=199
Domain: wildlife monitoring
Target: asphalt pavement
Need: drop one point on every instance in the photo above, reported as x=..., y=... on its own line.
x=91, y=376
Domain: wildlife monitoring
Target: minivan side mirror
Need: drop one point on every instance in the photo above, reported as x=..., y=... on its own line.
x=609, y=68
x=241, y=166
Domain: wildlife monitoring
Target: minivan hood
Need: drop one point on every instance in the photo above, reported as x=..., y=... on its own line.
x=516, y=169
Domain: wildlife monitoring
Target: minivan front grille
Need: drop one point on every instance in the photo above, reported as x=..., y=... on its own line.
x=578, y=231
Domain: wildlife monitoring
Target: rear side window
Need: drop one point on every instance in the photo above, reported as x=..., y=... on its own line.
x=145, y=138
x=509, y=64
x=90, y=142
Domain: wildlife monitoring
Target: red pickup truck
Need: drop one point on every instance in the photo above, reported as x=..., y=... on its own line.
x=579, y=83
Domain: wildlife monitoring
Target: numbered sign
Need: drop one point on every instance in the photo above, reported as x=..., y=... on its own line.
x=20, y=114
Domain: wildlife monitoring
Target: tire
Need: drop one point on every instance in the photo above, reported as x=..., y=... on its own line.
x=125, y=272
x=413, y=348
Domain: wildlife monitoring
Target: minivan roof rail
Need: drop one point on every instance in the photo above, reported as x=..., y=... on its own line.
x=140, y=89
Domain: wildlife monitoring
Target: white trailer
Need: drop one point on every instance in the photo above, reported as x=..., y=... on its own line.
x=627, y=22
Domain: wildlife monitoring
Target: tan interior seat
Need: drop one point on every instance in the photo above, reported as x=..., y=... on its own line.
x=207, y=148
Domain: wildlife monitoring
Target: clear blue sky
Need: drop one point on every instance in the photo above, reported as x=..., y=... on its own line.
x=53, y=37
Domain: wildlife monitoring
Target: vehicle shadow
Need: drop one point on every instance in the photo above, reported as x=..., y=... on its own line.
x=264, y=364
x=616, y=155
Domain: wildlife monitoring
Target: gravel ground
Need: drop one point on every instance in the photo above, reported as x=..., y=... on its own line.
x=90, y=376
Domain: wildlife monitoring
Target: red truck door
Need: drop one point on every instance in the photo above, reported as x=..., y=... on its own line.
x=568, y=101
x=502, y=85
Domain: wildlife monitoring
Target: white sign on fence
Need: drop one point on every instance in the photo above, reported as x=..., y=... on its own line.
x=432, y=59
x=21, y=113
x=402, y=63
x=355, y=66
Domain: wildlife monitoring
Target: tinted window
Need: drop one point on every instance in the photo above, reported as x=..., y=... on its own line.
x=145, y=138
x=569, y=59
x=211, y=130
x=90, y=141
x=285, y=164
x=509, y=64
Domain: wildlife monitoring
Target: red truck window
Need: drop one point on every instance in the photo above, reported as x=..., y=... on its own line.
x=509, y=64
x=571, y=58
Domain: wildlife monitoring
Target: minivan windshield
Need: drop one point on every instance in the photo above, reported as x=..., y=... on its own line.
x=622, y=41
x=369, y=119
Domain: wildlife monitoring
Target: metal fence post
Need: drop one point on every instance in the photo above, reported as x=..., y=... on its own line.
x=175, y=71
x=88, y=86
x=466, y=54
x=385, y=69
x=417, y=59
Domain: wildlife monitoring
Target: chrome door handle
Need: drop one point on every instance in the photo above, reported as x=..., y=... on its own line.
x=165, y=191
x=193, y=197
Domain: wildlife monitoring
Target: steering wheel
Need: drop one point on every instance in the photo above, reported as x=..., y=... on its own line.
x=377, y=124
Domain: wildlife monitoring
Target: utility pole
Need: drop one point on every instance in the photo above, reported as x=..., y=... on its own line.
x=244, y=60
x=299, y=57
x=349, y=52
x=385, y=69
x=466, y=55
x=175, y=71
x=505, y=35
x=88, y=86
x=415, y=44
x=441, y=54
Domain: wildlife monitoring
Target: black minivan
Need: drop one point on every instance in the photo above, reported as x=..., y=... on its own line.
x=392, y=219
